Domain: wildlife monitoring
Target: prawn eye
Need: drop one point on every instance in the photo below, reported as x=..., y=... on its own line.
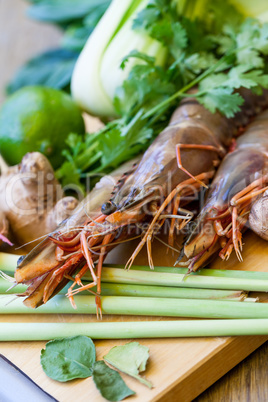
x=108, y=208
x=21, y=258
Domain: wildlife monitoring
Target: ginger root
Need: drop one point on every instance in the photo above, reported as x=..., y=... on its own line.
x=32, y=203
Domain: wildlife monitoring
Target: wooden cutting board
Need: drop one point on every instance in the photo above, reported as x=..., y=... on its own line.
x=180, y=369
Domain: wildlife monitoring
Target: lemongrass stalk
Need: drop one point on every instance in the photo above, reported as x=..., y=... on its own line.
x=118, y=275
x=7, y=288
x=115, y=289
x=121, y=305
x=132, y=330
x=204, y=272
x=8, y=263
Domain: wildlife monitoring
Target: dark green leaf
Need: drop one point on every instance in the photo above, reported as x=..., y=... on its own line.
x=78, y=33
x=75, y=37
x=110, y=383
x=53, y=69
x=131, y=359
x=68, y=358
x=59, y=11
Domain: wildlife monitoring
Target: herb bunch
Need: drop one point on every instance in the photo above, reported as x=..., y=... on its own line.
x=215, y=54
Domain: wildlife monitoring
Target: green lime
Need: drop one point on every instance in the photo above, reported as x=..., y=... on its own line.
x=38, y=119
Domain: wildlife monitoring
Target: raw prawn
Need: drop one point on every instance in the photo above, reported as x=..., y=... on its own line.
x=49, y=266
x=240, y=180
x=191, y=145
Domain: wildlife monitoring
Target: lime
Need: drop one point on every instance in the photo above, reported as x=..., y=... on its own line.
x=38, y=119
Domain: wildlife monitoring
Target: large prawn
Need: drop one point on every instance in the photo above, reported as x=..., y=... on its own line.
x=239, y=183
x=181, y=159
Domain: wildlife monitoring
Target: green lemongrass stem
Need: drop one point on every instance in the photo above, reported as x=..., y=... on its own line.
x=123, y=305
x=132, y=330
x=115, y=289
x=118, y=275
x=226, y=273
x=8, y=263
x=7, y=288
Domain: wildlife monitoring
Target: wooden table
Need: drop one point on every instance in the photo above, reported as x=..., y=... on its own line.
x=21, y=38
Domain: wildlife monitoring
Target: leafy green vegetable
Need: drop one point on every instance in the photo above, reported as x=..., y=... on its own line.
x=52, y=69
x=68, y=358
x=131, y=359
x=59, y=11
x=109, y=382
x=78, y=32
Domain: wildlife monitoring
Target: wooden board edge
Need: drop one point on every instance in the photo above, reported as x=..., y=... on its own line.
x=210, y=369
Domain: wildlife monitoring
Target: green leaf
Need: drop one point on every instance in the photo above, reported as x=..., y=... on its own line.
x=138, y=55
x=261, y=42
x=52, y=69
x=212, y=81
x=240, y=76
x=198, y=62
x=246, y=52
x=75, y=37
x=110, y=383
x=222, y=99
x=59, y=11
x=130, y=359
x=68, y=358
x=126, y=141
x=77, y=33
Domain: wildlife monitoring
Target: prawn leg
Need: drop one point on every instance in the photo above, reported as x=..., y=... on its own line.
x=105, y=242
x=244, y=196
x=169, y=198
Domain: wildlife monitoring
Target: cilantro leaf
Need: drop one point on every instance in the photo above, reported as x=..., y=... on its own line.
x=261, y=42
x=125, y=142
x=243, y=76
x=222, y=99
